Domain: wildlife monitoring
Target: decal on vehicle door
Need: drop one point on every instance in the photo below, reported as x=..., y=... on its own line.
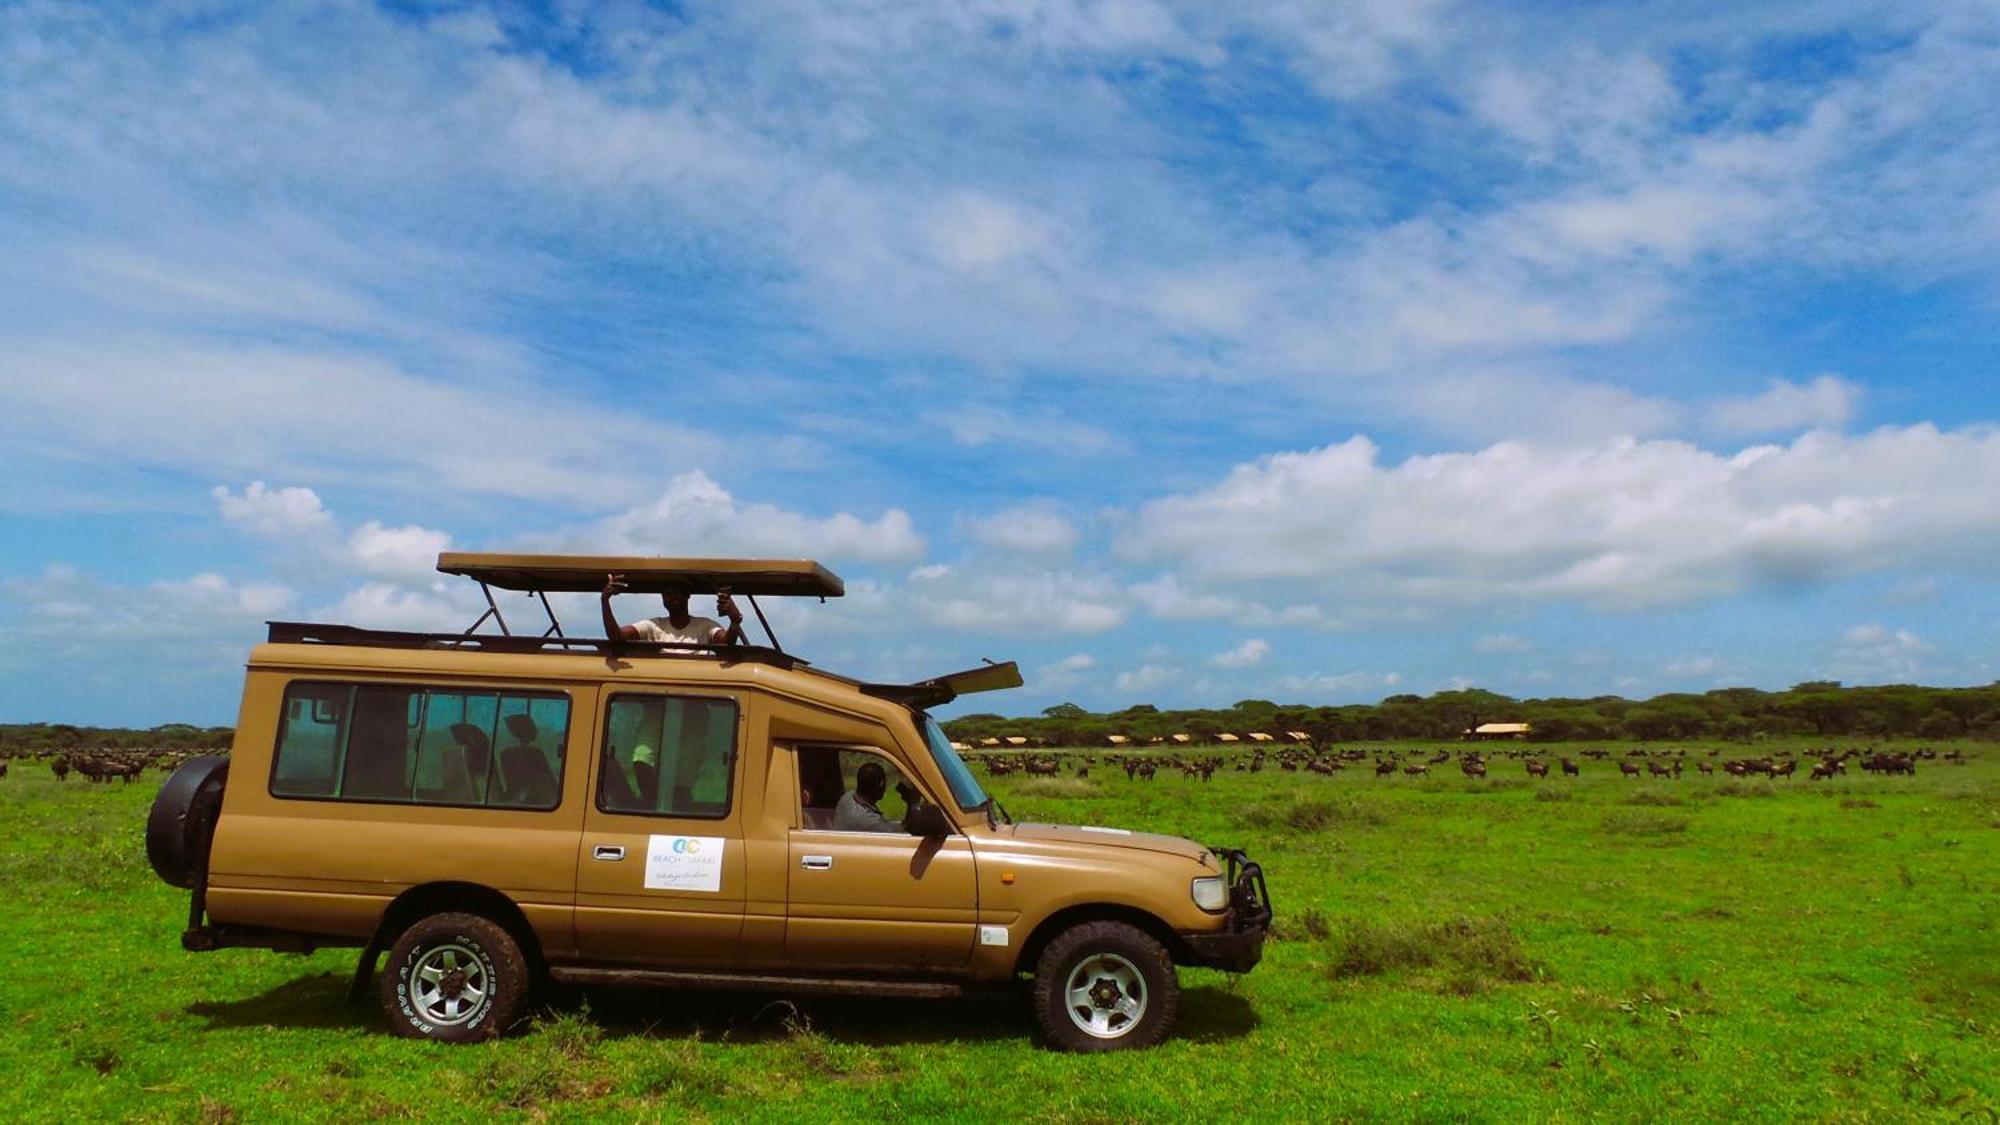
x=684, y=863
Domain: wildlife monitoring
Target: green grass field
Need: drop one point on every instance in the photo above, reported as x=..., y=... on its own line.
x=1450, y=950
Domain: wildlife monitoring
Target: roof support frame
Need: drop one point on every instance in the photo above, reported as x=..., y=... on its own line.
x=765, y=621
x=493, y=611
x=555, y=627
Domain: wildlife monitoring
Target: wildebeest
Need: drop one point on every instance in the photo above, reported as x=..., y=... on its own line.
x=1570, y=768
x=1536, y=767
x=1629, y=769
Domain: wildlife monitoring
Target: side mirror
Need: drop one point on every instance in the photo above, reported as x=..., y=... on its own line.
x=926, y=820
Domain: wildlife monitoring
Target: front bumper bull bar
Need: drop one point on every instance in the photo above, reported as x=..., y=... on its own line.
x=1240, y=944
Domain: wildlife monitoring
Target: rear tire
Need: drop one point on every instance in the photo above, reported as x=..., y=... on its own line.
x=1105, y=986
x=454, y=978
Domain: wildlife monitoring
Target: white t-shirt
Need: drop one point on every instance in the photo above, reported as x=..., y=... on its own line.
x=660, y=630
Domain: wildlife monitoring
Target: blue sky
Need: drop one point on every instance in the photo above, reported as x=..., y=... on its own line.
x=1186, y=353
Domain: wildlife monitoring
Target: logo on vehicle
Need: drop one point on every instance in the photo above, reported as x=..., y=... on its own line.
x=685, y=846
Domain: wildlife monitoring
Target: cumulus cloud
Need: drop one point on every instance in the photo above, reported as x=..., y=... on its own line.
x=1248, y=654
x=1018, y=601
x=327, y=415
x=1031, y=529
x=1876, y=653
x=272, y=511
x=406, y=553
x=1146, y=677
x=1065, y=673
x=695, y=516
x=1619, y=524
x=1502, y=642
x=203, y=618
x=1826, y=402
x=384, y=605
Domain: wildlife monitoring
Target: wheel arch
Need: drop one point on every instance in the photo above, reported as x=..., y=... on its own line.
x=426, y=899
x=1046, y=930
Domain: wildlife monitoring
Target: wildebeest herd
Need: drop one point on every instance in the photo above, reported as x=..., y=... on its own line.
x=1472, y=762
x=103, y=765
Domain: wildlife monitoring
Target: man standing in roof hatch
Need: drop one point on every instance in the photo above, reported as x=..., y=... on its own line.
x=678, y=626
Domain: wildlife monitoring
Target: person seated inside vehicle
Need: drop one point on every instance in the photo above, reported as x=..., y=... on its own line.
x=818, y=806
x=860, y=811
x=678, y=626
x=526, y=777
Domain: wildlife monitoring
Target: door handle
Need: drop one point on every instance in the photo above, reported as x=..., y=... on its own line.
x=608, y=851
x=816, y=862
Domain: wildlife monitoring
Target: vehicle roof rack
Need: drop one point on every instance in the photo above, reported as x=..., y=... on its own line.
x=313, y=633
x=584, y=574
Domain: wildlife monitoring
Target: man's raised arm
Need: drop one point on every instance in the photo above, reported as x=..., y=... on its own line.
x=614, y=584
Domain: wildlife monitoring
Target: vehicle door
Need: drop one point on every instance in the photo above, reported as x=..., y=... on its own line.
x=875, y=900
x=660, y=874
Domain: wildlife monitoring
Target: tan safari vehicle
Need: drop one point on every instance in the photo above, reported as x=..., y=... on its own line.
x=497, y=811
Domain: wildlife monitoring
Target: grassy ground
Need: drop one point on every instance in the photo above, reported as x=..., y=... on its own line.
x=1500, y=950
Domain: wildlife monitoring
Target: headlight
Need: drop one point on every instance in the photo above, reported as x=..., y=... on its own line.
x=1210, y=893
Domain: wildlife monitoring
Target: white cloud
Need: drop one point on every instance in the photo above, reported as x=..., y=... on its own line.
x=1146, y=677
x=1502, y=642
x=401, y=553
x=1623, y=523
x=68, y=614
x=1064, y=673
x=272, y=511
x=211, y=593
x=971, y=231
x=383, y=605
x=695, y=516
x=1020, y=601
x=327, y=416
x=1338, y=686
x=1248, y=654
x=1826, y=402
x=1030, y=529
x=1875, y=653
x=979, y=426
x=1165, y=597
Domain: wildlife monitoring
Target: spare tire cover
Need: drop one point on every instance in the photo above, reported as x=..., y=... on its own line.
x=183, y=819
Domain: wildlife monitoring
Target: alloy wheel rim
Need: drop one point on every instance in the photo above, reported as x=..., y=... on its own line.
x=450, y=984
x=1105, y=996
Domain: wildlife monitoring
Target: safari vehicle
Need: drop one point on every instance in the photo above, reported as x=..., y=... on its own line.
x=497, y=810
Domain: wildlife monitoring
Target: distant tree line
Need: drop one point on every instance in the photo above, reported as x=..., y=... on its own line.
x=17, y=739
x=1822, y=708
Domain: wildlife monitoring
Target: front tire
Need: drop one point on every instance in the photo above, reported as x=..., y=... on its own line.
x=454, y=978
x=1105, y=986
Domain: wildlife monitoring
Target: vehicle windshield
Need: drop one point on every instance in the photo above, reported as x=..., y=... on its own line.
x=965, y=788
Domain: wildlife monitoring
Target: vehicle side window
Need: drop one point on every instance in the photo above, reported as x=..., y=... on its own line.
x=668, y=756
x=829, y=773
x=417, y=745
x=310, y=733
